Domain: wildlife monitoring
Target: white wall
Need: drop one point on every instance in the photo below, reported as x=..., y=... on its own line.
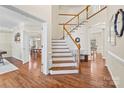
x=56, y=32
x=25, y=47
x=81, y=32
x=5, y=42
x=17, y=46
x=68, y=10
x=115, y=59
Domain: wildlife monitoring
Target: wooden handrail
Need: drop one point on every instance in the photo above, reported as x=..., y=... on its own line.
x=70, y=20
x=66, y=24
x=97, y=12
x=83, y=10
x=69, y=33
x=68, y=14
x=77, y=14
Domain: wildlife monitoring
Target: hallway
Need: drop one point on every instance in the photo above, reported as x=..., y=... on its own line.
x=93, y=74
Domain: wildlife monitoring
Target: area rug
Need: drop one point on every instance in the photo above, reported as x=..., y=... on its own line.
x=7, y=67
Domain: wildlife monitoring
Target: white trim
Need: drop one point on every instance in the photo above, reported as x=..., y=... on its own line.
x=112, y=75
x=45, y=60
x=119, y=59
x=52, y=72
x=17, y=10
x=115, y=56
x=64, y=64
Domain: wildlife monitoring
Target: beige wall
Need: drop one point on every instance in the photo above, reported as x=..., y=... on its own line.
x=115, y=60
x=5, y=42
x=119, y=46
x=17, y=46
x=68, y=10
x=56, y=32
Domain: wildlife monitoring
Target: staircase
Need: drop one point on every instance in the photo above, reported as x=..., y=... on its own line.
x=63, y=59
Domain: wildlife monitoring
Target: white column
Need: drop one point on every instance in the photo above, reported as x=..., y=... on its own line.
x=45, y=49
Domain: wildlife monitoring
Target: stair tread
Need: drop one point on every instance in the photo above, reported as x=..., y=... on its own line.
x=60, y=48
x=58, y=41
x=62, y=54
x=59, y=62
x=62, y=58
x=59, y=44
x=64, y=68
x=61, y=51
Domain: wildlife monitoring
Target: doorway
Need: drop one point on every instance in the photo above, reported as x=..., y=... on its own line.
x=97, y=41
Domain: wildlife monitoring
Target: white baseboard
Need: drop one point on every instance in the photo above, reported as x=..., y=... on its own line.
x=111, y=75
x=113, y=55
x=63, y=72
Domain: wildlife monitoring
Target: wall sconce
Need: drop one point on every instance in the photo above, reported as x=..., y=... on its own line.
x=17, y=37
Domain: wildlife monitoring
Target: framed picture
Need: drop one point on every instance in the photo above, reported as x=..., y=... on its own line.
x=112, y=35
x=119, y=23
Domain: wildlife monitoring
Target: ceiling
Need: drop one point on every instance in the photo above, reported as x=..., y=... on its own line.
x=10, y=19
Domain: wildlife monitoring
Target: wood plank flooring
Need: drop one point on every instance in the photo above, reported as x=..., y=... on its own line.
x=93, y=75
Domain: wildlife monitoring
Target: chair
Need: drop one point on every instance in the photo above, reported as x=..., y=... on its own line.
x=1, y=59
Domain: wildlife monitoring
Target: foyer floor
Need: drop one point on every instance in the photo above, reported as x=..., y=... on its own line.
x=94, y=74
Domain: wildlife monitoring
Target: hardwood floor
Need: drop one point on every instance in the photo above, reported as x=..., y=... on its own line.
x=93, y=74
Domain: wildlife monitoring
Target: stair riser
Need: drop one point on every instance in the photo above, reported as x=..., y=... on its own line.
x=62, y=60
x=61, y=50
x=63, y=72
x=59, y=45
x=63, y=43
x=64, y=64
x=62, y=55
x=59, y=41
